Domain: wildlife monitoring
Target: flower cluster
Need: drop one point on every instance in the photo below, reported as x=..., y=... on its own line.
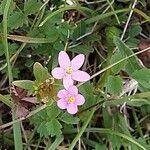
x=69, y=72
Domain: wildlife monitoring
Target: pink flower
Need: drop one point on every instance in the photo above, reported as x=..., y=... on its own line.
x=69, y=70
x=69, y=99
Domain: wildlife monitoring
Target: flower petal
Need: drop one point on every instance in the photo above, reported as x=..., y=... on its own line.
x=72, y=108
x=67, y=81
x=58, y=73
x=63, y=59
x=72, y=90
x=62, y=104
x=80, y=76
x=62, y=94
x=80, y=100
x=77, y=62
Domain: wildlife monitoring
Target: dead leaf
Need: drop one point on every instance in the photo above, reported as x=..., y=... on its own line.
x=22, y=100
x=145, y=56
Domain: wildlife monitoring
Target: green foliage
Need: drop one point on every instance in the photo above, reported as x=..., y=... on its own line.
x=110, y=33
x=79, y=30
x=2, y=6
x=47, y=122
x=53, y=127
x=142, y=76
x=25, y=84
x=16, y=20
x=37, y=31
x=40, y=73
x=134, y=31
x=125, y=51
x=32, y=6
x=115, y=58
x=84, y=49
x=114, y=85
x=69, y=119
x=99, y=146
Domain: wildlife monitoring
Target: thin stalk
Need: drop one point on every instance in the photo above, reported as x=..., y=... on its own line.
x=114, y=64
x=79, y=8
x=112, y=8
x=16, y=126
x=76, y=139
x=130, y=15
x=137, y=123
x=5, y=42
x=39, y=141
x=30, y=138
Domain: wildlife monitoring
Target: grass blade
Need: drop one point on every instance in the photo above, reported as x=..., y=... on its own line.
x=56, y=143
x=16, y=126
x=72, y=145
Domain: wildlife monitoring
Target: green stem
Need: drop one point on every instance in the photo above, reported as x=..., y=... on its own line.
x=39, y=141
x=79, y=8
x=16, y=126
x=110, y=132
x=5, y=42
x=137, y=122
x=30, y=138
x=113, y=11
x=106, y=15
x=72, y=145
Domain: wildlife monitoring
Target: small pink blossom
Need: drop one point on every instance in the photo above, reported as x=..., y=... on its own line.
x=69, y=99
x=69, y=69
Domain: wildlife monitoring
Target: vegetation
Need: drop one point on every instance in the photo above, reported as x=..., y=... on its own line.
x=113, y=35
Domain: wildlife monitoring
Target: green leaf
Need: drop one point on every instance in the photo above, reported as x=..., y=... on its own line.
x=84, y=49
x=50, y=30
x=114, y=133
x=13, y=47
x=56, y=143
x=134, y=31
x=132, y=63
x=58, y=45
x=69, y=119
x=42, y=129
x=138, y=102
x=115, y=58
x=119, y=125
x=46, y=121
x=2, y=52
x=142, y=76
x=65, y=28
x=110, y=33
x=92, y=38
x=53, y=111
x=114, y=85
x=15, y=72
x=2, y=6
x=106, y=117
x=54, y=127
x=6, y=100
x=79, y=30
x=32, y=6
x=88, y=92
x=26, y=39
x=100, y=147
x=40, y=73
x=16, y=20
x=25, y=84
x=133, y=42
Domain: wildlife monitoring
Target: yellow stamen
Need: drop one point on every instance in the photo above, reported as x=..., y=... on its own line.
x=69, y=70
x=71, y=99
